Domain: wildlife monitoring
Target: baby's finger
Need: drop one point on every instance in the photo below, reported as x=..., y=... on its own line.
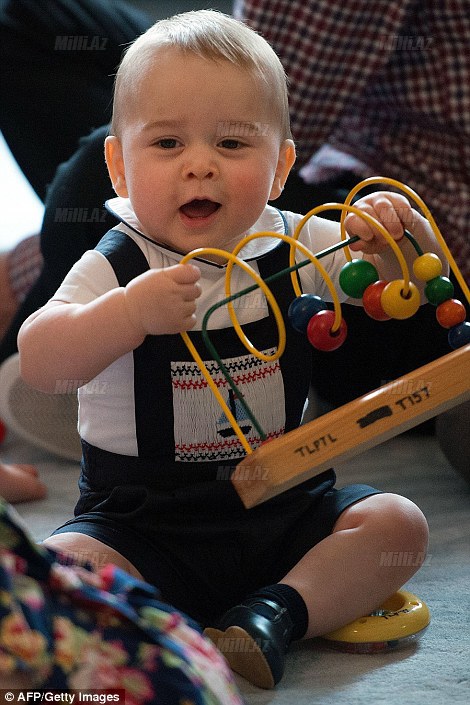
x=189, y=320
x=388, y=216
x=355, y=225
x=190, y=292
x=410, y=218
x=184, y=273
x=188, y=308
x=403, y=209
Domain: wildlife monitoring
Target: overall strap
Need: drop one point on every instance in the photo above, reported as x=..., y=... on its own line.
x=296, y=362
x=154, y=402
x=124, y=255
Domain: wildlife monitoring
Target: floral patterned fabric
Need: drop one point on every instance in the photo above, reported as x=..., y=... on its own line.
x=69, y=627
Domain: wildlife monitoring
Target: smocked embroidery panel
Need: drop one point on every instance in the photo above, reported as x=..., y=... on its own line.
x=202, y=431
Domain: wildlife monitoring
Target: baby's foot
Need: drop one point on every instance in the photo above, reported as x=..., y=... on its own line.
x=20, y=483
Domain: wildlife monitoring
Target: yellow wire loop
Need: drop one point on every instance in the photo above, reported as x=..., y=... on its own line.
x=346, y=208
x=427, y=214
x=212, y=385
x=294, y=243
x=233, y=259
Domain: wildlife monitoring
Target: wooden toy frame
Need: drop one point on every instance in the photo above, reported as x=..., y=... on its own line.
x=353, y=428
x=361, y=424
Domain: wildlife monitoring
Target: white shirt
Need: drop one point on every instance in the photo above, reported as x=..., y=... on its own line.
x=106, y=403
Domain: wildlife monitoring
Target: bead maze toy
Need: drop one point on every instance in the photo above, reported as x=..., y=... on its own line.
x=299, y=455
x=377, y=416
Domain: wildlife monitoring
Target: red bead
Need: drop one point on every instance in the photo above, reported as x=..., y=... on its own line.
x=319, y=331
x=371, y=300
x=3, y=431
x=450, y=313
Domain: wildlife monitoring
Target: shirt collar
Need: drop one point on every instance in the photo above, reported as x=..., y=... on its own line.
x=271, y=220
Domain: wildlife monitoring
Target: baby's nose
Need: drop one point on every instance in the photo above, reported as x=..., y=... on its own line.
x=200, y=164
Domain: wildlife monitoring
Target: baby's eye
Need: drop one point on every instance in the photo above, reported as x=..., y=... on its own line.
x=167, y=143
x=230, y=144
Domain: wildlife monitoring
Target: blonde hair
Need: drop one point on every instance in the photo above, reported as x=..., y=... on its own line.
x=212, y=35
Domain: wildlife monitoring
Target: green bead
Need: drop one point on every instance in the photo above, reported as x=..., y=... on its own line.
x=438, y=290
x=356, y=276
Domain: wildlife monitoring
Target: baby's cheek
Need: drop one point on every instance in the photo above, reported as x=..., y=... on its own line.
x=253, y=193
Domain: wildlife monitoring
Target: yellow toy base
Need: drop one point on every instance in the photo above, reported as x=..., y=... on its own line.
x=398, y=622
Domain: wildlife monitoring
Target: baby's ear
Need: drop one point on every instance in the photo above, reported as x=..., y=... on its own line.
x=285, y=163
x=115, y=164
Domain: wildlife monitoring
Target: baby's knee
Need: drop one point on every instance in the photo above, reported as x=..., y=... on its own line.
x=402, y=522
x=82, y=549
x=390, y=519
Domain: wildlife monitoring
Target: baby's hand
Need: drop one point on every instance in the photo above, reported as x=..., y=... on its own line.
x=163, y=301
x=390, y=209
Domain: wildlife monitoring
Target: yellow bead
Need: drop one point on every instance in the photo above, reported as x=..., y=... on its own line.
x=395, y=304
x=427, y=267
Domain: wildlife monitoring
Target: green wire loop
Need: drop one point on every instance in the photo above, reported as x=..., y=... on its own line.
x=210, y=346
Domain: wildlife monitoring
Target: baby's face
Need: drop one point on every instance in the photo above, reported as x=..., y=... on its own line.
x=200, y=152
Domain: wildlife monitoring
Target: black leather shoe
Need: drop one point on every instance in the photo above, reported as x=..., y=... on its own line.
x=255, y=645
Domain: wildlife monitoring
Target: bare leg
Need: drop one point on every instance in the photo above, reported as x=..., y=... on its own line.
x=20, y=483
x=81, y=548
x=345, y=577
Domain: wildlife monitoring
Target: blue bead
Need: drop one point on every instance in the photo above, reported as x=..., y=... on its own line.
x=302, y=309
x=459, y=336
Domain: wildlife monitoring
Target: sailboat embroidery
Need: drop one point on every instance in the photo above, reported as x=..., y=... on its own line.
x=202, y=431
x=224, y=427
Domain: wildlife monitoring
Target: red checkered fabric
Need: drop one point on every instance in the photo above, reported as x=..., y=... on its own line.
x=24, y=266
x=387, y=82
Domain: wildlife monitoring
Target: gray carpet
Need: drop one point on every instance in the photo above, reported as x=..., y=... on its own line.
x=433, y=672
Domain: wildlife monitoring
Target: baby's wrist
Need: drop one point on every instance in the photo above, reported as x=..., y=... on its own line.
x=131, y=311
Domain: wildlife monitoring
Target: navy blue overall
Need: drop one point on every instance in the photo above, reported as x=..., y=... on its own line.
x=181, y=524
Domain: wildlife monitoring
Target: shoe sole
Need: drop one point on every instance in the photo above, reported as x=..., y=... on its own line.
x=243, y=654
x=48, y=421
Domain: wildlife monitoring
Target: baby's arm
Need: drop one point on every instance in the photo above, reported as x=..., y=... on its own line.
x=396, y=214
x=77, y=341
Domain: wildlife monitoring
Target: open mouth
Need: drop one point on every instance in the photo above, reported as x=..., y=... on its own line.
x=199, y=208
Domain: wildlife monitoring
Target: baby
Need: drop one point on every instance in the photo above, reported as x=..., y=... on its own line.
x=199, y=144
